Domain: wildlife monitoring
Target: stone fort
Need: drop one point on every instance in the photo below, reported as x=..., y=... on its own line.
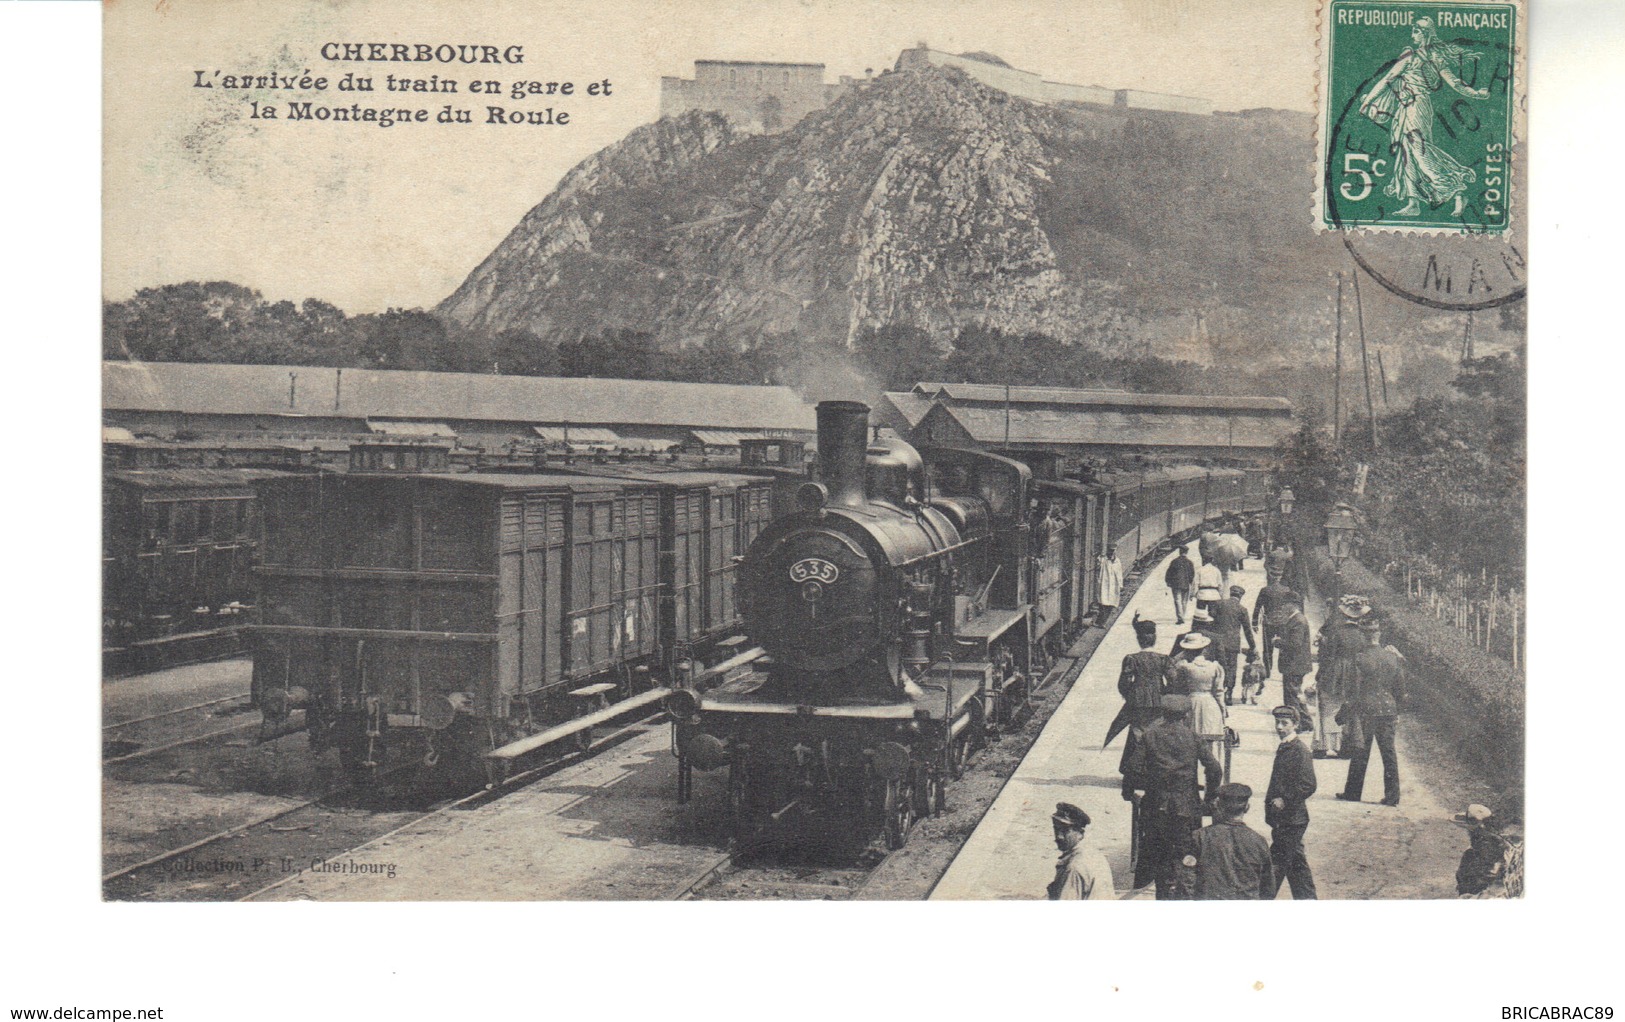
x=767, y=97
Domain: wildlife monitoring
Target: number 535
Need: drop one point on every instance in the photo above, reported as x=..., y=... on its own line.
x=1372, y=169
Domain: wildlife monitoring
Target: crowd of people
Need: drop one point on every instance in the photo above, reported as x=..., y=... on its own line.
x=1175, y=761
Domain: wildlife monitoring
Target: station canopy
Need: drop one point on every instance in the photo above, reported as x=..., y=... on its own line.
x=723, y=437
x=577, y=434
x=396, y=428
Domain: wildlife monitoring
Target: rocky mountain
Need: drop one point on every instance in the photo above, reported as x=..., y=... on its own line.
x=930, y=199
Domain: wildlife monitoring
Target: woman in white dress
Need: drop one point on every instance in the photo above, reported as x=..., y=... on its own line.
x=1111, y=582
x=1201, y=679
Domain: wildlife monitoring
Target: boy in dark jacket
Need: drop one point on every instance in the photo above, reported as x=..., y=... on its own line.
x=1292, y=781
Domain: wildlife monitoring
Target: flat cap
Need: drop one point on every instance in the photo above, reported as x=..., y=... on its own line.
x=1070, y=815
x=1284, y=713
x=1234, y=792
x=1238, y=591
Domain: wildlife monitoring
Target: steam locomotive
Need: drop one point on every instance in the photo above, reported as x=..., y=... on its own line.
x=895, y=610
x=904, y=608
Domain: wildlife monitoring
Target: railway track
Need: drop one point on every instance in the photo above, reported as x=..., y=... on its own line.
x=140, y=737
x=753, y=873
x=255, y=856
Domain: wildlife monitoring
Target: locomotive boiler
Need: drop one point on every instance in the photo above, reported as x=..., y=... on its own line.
x=892, y=606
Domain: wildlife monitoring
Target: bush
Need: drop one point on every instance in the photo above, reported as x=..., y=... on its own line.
x=1476, y=698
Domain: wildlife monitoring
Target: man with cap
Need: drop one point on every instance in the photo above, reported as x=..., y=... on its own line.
x=1229, y=624
x=1286, y=809
x=1232, y=861
x=1141, y=682
x=1379, y=692
x=1296, y=659
x=1163, y=774
x=1484, y=860
x=1269, y=610
x=1201, y=624
x=1081, y=873
x=1181, y=575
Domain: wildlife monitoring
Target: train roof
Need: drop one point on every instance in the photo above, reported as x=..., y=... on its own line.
x=195, y=478
x=674, y=477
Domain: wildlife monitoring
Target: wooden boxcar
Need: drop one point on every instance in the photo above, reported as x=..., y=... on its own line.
x=398, y=602
x=707, y=520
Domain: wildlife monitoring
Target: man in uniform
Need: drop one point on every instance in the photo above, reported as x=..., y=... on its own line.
x=1141, y=683
x=1379, y=692
x=1163, y=775
x=1268, y=612
x=1297, y=659
x=1232, y=861
x=1229, y=624
x=1286, y=810
x=1081, y=873
x=1181, y=575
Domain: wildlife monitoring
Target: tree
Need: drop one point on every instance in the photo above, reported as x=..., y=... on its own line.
x=521, y=353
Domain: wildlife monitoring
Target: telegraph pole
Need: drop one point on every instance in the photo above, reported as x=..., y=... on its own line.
x=1337, y=373
x=1365, y=363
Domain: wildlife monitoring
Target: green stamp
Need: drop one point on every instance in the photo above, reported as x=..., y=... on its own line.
x=1416, y=116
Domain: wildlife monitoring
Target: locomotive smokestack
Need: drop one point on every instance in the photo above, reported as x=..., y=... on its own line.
x=843, y=444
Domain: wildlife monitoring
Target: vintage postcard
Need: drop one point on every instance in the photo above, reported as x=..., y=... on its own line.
x=783, y=451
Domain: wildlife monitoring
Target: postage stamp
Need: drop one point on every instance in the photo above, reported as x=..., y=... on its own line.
x=1417, y=114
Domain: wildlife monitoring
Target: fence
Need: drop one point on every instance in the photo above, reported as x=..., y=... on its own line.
x=1476, y=605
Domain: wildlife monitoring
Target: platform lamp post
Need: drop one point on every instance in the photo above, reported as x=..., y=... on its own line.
x=1340, y=528
x=1287, y=500
x=1278, y=522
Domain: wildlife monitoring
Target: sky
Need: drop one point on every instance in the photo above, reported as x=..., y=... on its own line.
x=369, y=218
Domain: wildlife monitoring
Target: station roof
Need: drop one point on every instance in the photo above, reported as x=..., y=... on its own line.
x=318, y=391
x=1082, y=427
x=907, y=405
x=996, y=394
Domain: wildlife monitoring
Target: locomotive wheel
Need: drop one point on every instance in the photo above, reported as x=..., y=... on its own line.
x=959, y=754
x=898, y=810
x=928, y=793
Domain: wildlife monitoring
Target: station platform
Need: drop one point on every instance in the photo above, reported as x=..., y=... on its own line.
x=1356, y=850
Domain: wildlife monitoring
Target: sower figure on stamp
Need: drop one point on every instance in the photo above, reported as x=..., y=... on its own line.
x=1286, y=809
x=1180, y=577
x=1081, y=873
x=1232, y=860
x=1402, y=101
x=1165, y=785
x=1379, y=692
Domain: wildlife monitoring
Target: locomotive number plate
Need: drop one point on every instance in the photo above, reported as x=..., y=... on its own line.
x=815, y=568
